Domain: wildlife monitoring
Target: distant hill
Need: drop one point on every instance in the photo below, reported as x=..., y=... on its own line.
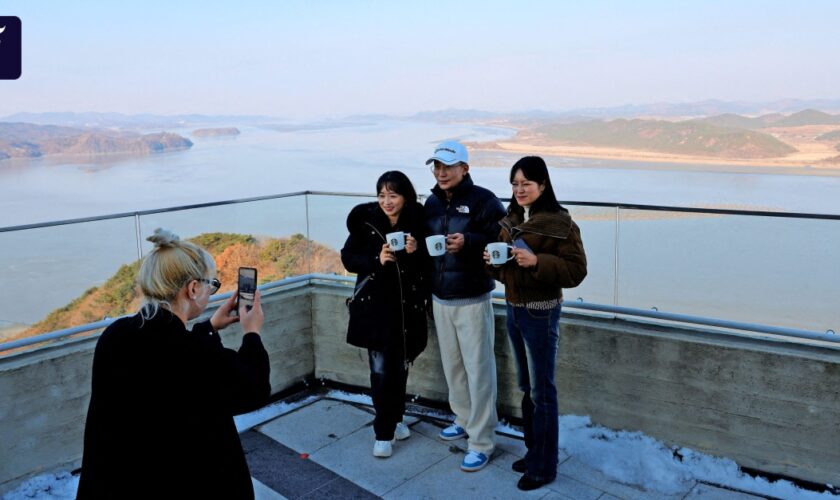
x=830, y=136
x=689, y=137
x=801, y=118
x=274, y=258
x=138, y=121
x=807, y=117
x=215, y=132
x=27, y=140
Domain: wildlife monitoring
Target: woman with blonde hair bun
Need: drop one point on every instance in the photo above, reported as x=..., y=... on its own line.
x=160, y=420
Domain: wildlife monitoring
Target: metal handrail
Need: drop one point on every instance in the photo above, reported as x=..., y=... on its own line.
x=573, y=304
x=625, y=206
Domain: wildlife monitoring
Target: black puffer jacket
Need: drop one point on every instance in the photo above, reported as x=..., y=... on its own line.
x=390, y=301
x=474, y=212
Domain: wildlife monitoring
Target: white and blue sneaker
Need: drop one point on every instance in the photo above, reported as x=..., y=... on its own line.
x=474, y=461
x=452, y=432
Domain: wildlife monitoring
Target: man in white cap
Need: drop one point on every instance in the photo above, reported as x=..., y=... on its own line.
x=468, y=216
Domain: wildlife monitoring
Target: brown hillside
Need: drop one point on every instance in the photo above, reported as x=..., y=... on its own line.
x=274, y=258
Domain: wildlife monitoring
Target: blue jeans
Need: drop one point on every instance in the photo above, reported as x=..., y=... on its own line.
x=533, y=336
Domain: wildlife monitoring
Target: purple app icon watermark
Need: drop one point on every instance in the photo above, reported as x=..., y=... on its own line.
x=10, y=48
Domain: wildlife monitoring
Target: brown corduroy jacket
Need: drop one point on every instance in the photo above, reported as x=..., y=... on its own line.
x=561, y=260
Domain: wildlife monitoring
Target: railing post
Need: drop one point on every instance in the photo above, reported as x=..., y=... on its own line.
x=308, y=239
x=138, y=236
x=616, y=260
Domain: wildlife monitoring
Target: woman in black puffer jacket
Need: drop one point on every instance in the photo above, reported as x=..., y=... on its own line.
x=388, y=307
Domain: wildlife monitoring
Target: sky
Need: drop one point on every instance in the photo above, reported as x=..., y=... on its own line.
x=308, y=59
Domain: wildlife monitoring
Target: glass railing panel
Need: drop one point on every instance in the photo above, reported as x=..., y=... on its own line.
x=269, y=235
x=597, y=230
x=328, y=229
x=61, y=276
x=766, y=270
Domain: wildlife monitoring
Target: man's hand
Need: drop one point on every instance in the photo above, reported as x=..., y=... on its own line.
x=455, y=242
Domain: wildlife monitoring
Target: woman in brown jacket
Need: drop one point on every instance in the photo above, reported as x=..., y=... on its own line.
x=547, y=257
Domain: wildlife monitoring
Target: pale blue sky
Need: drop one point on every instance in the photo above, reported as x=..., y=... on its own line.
x=313, y=58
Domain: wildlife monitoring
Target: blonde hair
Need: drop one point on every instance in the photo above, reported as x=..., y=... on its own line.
x=168, y=268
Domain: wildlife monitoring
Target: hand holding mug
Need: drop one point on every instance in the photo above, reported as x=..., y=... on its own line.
x=497, y=253
x=386, y=254
x=454, y=242
x=524, y=258
x=410, y=243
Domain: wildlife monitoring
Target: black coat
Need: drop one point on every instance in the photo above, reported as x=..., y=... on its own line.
x=160, y=421
x=475, y=212
x=389, y=309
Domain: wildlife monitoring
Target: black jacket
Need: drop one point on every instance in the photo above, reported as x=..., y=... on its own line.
x=475, y=212
x=160, y=421
x=388, y=310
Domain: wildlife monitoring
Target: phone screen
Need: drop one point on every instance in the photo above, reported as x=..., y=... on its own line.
x=247, y=286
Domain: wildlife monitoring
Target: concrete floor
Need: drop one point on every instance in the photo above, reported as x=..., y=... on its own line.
x=323, y=450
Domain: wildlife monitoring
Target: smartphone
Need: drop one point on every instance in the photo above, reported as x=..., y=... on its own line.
x=246, y=289
x=520, y=243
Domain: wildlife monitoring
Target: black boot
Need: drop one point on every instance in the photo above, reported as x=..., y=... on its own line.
x=527, y=483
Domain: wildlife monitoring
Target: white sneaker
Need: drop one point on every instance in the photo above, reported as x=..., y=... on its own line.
x=382, y=449
x=402, y=432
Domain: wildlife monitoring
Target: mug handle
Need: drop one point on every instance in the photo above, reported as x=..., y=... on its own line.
x=511, y=247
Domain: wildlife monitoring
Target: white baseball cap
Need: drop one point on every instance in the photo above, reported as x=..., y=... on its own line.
x=449, y=153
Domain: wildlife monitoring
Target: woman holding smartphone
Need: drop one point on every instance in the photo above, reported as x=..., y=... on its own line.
x=547, y=256
x=163, y=397
x=388, y=306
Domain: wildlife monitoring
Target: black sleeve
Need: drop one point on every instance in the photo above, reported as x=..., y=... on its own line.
x=357, y=255
x=244, y=373
x=486, y=227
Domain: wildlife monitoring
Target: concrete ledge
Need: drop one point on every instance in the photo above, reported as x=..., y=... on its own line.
x=769, y=406
x=44, y=393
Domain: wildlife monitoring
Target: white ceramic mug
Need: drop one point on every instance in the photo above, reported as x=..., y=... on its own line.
x=499, y=252
x=396, y=240
x=436, y=244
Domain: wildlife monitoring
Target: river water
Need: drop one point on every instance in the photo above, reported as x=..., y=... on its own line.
x=760, y=269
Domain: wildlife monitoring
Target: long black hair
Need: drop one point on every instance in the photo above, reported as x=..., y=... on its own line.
x=398, y=182
x=534, y=169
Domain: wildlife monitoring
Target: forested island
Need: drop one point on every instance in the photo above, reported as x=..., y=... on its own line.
x=216, y=132
x=27, y=140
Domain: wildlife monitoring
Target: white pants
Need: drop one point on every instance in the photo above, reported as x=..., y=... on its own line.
x=466, y=336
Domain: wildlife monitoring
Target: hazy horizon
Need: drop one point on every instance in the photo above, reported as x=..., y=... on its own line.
x=306, y=60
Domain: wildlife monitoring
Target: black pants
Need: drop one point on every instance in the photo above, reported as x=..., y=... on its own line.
x=388, y=376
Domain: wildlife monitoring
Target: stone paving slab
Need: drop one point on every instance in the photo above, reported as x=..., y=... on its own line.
x=286, y=472
x=339, y=438
x=317, y=425
x=445, y=479
x=352, y=457
x=263, y=492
